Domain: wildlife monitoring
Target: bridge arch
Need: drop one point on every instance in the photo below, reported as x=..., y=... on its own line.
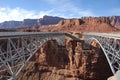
x=108, y=60
x=23, y=46
x=59, y=40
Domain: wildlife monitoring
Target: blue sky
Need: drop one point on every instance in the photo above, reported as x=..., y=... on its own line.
x=21, y=9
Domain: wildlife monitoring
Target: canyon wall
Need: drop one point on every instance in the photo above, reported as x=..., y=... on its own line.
x=68, y=62
x=87, y=24
x=49, y=23
x=29, y=23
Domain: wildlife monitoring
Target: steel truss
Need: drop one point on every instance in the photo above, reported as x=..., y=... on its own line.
x=110, y=45
x=17, y=50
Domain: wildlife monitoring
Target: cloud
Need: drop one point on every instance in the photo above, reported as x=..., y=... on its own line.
x=19, y=14
x=69, y=9
x=62, y=8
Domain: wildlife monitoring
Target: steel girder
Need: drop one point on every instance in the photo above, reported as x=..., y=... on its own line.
x=16, y=51
x=110, y=46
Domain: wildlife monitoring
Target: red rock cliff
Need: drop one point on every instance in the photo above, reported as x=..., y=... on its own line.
x=70, y=62
x=87, y=24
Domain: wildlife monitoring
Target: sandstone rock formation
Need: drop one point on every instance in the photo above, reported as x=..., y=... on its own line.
x=29, y=23
x=49, y=23
x=87, y=24
x=115, y=21
x=116, y=76
x=112, y=78
x=70, y=62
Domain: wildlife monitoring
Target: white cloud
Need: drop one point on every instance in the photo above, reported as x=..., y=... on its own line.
x=69, y=9
x=19, y=14
x=63, y=8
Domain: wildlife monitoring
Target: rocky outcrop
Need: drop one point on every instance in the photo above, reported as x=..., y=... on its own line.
x=69, y=62
x=28, y=23
x=49, y=20
x=10, y=24
x=115, y=21
x=49, y=23
x=116, y=76
x=112, y=78
x=87, y=24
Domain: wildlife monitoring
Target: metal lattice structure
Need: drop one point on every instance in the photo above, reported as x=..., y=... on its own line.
x=16, y=49
x=110, y=44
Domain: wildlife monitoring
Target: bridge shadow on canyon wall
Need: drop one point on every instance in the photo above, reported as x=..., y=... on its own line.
x=69, y=62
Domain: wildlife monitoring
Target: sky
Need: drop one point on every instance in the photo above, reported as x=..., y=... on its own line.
x=34, y=9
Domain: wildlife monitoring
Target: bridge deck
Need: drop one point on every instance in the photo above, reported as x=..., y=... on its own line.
x=108, y=35
x=11, y=34
x=13, y=51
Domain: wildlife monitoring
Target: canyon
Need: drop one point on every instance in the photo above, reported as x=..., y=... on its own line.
x=71, y=61
x=87, y=24
x=58, y=24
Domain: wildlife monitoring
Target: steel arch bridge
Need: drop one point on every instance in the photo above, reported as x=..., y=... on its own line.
x=110, y=44
x=16, y=48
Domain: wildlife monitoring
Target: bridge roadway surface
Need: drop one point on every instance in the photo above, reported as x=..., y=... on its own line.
x=12, y=34
x=108, y=35
x=27, y=43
